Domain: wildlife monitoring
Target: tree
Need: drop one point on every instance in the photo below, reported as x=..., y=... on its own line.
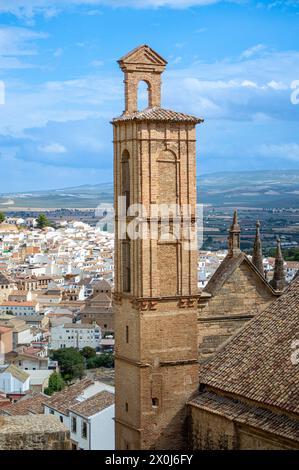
x=56, y=384
x=42, y=221
x=102, y=360
x=71, y=363
x=2, y=217
x=88, y=352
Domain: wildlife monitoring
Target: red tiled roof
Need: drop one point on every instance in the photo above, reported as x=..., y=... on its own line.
x=257, y=362
x=158, y=114
x=62, y=401
x=94, y=404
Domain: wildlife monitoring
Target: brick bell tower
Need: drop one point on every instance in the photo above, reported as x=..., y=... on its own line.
x=155, y=297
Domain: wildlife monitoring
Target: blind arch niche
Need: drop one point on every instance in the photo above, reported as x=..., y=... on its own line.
x=167, y=178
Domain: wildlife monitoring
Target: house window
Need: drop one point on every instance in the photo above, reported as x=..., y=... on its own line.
x=74, y=424
x=61, y=419
x=155, y=402
x=51, y=412
x=84, y=430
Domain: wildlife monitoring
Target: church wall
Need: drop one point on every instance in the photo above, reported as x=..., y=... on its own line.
x=101, y=319
x=241, y=297
x=213, y=432
x=214, y=333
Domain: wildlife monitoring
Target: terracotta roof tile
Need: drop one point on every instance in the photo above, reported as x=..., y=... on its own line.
x=62, y=401
x=32, y=404
x=256, y=363
x=94, y=404
x=158, y=114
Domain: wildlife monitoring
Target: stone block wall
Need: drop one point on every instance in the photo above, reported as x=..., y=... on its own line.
x=33, y=432
x=211, y=431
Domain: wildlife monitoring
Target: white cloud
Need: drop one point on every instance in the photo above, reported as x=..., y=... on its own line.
x=177, y=60
x=94, y=13
x=54, y=147
x=16, y=44
x=16, y=41
x=288, y=151
x=249, y=84
x=236, y=89
x=58, y=52
x=29, y=106
x=50, y=8
x=2, y=92
x=97, y=63
x=252, y=51
x=277, y=85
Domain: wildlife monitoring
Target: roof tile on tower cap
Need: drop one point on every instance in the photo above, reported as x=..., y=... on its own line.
x=159, y=114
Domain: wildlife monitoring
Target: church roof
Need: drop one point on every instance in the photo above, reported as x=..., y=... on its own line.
x=257, y=362
x=101, y=284
x=158, y=114
x=226, y=269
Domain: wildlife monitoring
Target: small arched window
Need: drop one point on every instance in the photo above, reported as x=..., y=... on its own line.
x=143, y=95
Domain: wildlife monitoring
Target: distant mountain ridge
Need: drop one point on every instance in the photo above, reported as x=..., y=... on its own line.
x=238, y=188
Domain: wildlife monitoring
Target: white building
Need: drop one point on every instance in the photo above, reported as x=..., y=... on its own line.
x=19, y=308
x=39, y=379
x=87, y=410
x=14, y=380
x=74, y=335
x=22, y=335
x=92, y=422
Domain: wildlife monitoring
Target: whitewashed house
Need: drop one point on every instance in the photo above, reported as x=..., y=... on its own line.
x=14, y=380
x=92, y=422
x=75, y=335
x=87, y=410
x=19, y=308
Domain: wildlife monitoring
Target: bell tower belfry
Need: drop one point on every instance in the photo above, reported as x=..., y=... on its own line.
x=142, y=64
x=155, y=292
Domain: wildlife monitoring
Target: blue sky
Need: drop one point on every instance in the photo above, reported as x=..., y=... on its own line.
x=231, y=62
